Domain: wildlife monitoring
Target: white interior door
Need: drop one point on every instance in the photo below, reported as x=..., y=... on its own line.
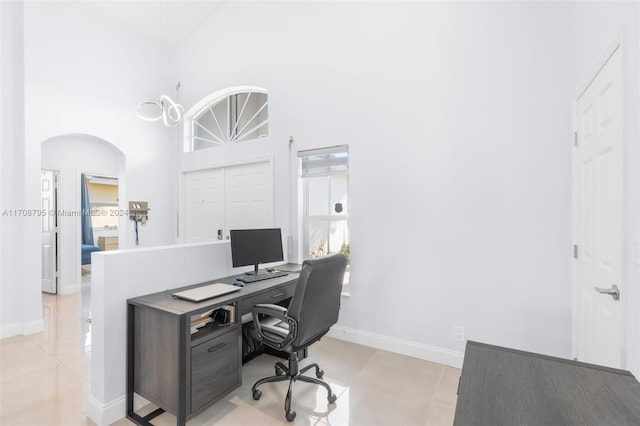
x=204, y=205
x=48, y=205
x=249, y=196
x=599, y=202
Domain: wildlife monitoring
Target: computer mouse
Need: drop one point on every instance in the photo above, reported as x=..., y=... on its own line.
x=271, y=270
x=239, y=283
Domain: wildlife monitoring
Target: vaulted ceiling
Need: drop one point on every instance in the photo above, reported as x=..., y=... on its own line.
x=169, y=22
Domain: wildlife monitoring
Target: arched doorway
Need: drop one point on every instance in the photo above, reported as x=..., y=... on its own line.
x=69, y=157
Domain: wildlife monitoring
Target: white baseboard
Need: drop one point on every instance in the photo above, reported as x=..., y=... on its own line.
x=106, y=414
x=399, y=346
x=11, y=330
x=33, y=327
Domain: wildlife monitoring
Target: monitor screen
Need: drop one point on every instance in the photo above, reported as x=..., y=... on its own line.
x=255, y=246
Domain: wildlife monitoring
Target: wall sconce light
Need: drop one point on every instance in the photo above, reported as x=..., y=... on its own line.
x=170, y=112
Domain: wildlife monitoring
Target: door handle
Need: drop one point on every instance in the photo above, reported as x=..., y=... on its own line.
x=614, y=291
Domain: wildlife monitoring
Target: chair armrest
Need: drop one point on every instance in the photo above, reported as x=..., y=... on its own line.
x=269, y=307
x=280, y=313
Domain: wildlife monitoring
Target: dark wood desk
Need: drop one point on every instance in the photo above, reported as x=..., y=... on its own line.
x=501, y=386
x=181, y=372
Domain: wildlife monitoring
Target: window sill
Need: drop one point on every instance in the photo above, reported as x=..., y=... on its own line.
x=346, y=290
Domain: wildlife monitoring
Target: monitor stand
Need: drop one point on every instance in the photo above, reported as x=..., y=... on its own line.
x=254, y=272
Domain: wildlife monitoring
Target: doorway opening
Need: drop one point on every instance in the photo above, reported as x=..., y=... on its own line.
x=99, y=221
x=72, y=156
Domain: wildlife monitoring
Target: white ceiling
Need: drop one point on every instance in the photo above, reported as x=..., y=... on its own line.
x=168, y=21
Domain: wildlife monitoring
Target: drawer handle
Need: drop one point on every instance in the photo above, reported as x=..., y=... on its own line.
x=277, y=295
x=216, y=347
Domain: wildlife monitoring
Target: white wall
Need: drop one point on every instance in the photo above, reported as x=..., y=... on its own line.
x=458, y=120
x=20, y=305
x=71, y=156
x=597, y=25
x=82, y=74
x=120, y=275
x=3, y=75
x=95, y=82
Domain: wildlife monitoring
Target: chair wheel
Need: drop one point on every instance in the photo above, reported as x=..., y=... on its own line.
x=290, y=415
x=332, y=398
x=279, y=371
x=319, y=374
x=257, y=394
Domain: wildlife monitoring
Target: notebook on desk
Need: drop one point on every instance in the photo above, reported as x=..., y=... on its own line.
x=289, y=267
x=205, y=292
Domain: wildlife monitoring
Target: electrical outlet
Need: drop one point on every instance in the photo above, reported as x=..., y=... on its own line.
x=458, y=333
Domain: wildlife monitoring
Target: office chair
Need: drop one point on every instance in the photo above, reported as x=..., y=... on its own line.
x=312, y=311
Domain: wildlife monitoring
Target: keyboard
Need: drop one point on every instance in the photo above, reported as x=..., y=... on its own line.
x=262, y=276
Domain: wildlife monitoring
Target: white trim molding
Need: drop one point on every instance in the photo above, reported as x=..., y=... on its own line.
x=399, y=346
x=106, y=414
x=31, y=327
x=10, y=330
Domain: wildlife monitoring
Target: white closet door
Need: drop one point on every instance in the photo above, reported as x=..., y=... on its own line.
x=236, y=197
x=204, y=205
x=248, y=196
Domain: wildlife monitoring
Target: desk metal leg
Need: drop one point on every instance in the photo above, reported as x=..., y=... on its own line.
x=131, y=415
x=130, y=368
x=146, y=420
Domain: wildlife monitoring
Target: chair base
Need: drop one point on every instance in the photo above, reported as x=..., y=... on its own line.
x=293, y=374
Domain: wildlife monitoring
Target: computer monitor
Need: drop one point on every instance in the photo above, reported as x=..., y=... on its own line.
x=255, y=246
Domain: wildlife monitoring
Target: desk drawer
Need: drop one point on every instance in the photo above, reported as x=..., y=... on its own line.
x=215, y=368
x=269, y=296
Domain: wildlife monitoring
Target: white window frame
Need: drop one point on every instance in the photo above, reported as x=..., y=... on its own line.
x=211, y=100
x=306, y=218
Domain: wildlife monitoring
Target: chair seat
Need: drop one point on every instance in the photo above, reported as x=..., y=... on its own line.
x=274, y=328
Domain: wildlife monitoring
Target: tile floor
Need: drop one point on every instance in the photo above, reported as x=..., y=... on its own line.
x=44, y=377
x=44, y=380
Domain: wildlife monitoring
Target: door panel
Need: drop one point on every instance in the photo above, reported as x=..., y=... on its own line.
x=599, y=194
x=249, y=195
x=49, y=231
x=204, y=200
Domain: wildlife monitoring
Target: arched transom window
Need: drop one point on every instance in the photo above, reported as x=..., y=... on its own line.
x=232, y=115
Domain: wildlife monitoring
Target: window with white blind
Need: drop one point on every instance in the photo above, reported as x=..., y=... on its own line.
x=324, y=175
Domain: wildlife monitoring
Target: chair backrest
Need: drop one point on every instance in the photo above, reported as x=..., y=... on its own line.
x=316, y=302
